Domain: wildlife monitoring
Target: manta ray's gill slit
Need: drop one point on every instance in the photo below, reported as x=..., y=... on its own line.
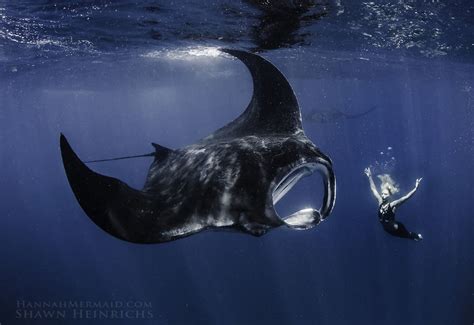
x=289, y=181
x=300, y=190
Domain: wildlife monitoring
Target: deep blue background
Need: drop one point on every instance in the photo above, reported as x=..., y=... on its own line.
x=345, y=271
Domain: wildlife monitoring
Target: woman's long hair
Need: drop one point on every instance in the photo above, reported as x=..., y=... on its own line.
x=387, y=183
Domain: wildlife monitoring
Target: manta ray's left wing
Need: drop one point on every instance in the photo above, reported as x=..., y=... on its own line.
x=111, y=204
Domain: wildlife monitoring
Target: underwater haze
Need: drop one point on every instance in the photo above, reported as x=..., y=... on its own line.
x=386, y=84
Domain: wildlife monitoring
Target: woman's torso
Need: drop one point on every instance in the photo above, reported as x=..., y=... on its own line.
x=386, y=212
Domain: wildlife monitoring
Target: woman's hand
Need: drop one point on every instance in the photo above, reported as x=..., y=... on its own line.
x=368, y=172
x=417, y=183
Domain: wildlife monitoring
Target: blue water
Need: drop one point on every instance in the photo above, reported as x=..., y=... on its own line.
x=116, y=76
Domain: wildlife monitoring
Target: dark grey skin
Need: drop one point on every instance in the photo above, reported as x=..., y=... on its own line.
x=228, y=180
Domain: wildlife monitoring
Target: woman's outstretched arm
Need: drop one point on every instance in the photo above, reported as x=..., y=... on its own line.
x=401, y=200
x=373, y=188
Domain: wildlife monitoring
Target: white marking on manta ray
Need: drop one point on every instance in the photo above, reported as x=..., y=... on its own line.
x=190, y=227
x=210, y=159
x=211, y=166
x=226, y=197
x=196, y=151
x=173, y=167
x=245, y=145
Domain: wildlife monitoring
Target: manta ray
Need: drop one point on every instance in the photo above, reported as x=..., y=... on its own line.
x=229, y=180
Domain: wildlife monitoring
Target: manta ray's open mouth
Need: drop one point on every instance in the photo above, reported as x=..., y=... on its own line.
x=310, y=217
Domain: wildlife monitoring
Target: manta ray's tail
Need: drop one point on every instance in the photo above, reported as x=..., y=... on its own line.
x=151, y=154
x=159, y=153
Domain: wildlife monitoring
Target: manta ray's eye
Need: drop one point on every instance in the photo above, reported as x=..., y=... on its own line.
x=299, y=195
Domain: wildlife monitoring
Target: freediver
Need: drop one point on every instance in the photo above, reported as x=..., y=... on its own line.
x=387, y=207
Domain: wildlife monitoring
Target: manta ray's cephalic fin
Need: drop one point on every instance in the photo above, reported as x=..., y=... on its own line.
x=273, y=108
